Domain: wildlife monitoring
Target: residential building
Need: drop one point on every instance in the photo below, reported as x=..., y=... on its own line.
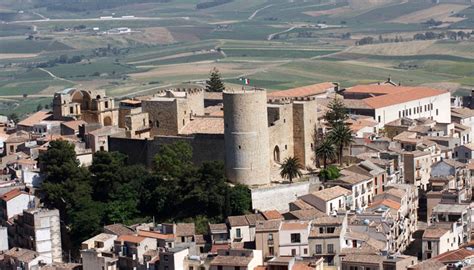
x=97, y=252
x=329, y=200
x=417, y=168
x=440, y=238
x=242, y=228
x=464, y=153
x=173, y=258
x=377, y=262
x=25, y=259
x=14, y=202
x=464, y=116
x=293, y=237
x=360, y=184
x=267, y=238
x=231, y=259
x=457, y=213
x=38, y=229
x=326, y=238
x=131, y=249
x=386, y=103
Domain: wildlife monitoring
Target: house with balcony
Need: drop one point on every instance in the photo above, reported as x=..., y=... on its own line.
x=454, y=213
x=131, y=249
x=242, y=228
x=360, y=184
x=441, y=237
x=329, y=200
x=293, y=238
x=267, y=238
x=219, y=233
x=326, y=238
x=417, y=168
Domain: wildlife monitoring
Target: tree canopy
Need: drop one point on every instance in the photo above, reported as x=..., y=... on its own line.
x=111, y=191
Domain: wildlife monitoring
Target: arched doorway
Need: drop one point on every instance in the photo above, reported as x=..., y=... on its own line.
x=107, y=121
x=276, y=154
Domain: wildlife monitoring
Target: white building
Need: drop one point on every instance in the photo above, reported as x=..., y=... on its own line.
x=328, y=200
x=293, y=237
x=3, y=239
x=387, y=102
x=464, y=116
x=14, y=202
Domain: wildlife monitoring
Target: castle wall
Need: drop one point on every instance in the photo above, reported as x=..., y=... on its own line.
x=246, y=137
x=206, y=147
x=163, y=116
x=304, y=120
x=280, y=133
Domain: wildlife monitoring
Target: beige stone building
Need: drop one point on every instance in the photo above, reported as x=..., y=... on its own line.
x=92, y=106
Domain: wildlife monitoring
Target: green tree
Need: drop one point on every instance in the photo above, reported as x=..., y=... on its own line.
x=325, y=151
x=39, y=107
x=341, y=136
x=331, y=173
x=174, y=161
x=215, y=84
x=241, y=200
x=337, y=112
x=291, y=168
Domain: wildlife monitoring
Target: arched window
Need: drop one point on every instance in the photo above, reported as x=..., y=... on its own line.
x=276, y=154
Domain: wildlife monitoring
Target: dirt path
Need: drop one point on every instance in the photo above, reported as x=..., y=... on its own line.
x=271, y=36
x=257, y=11
x=56, y=77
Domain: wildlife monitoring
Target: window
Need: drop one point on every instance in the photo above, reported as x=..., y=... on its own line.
x=191, y=268
x=166, y=258
x=106, y=104
x=305, y=251
x=295, y=238
x=399, y=114
x=271, y=251
x=429, y=245
x=330, y=248
x=270, y=236
x=318, y=249
x=71, y=110
x=183, y=239
x=237, y=268
x=330, y=207
x=157, y=123
x=379, y=118
x=436, y=111
x=219, y=267
x=238, y=233
x=184, y=123
x=466, y=155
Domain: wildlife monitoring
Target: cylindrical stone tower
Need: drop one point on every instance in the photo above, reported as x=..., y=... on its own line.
x=246, y=137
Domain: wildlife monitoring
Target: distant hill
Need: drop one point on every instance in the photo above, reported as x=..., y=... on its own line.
x=85, y=5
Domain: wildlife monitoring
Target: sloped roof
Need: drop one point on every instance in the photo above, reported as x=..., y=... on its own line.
x=304, y=91
x=12, y=194
x=35, y=118
x=388, y=95
x=331, y=193
x=272, y=214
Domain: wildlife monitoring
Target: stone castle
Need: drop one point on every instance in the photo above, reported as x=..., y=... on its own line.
x=252, y=132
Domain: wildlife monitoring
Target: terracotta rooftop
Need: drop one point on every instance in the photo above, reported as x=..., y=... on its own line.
x=304, y=91
x=131, y=238
x=290, y=226
x=302, y=204
x=12, y=194
x=435, y=231
x=231, y=261
x=35, y=118
x=218, y=228
x=204, y=125
x=272, y=214
x=351, y=177
x=363, y=258
x=331, y=193
x=454, y=255
x=185, y=229
x=462, y=112
x=388, y=95
x=74, y=124
x=302, y=266
x=155, y=235
x=268, y=225
x=307, y=214
x=386, y=202
x=118, y=229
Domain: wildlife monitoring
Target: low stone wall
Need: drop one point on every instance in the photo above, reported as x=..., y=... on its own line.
x=278, y=197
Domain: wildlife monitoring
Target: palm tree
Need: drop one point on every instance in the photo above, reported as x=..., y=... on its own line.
x=325, y=151
x=291, y=168
x=341, y=136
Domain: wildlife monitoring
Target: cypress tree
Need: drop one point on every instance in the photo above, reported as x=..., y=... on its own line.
x=214, y=84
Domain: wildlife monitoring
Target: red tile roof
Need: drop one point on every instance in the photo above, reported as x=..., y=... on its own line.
x=289, y=226
x=131, y=238
x=155, y=235
x=387, y=202
x=454, y=255
x=387, y=95
x=272, y=214
x=35, y=118
x=304, y=91
x=12, y=194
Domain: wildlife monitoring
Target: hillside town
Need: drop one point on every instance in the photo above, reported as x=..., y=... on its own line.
x=368, y=177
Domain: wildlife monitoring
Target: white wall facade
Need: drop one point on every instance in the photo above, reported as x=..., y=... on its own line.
x=440, y=110
x=16, y=205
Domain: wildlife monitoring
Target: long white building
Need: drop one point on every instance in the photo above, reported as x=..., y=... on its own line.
x=389, y=102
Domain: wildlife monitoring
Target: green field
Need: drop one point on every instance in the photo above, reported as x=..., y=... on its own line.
x=175, y=44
